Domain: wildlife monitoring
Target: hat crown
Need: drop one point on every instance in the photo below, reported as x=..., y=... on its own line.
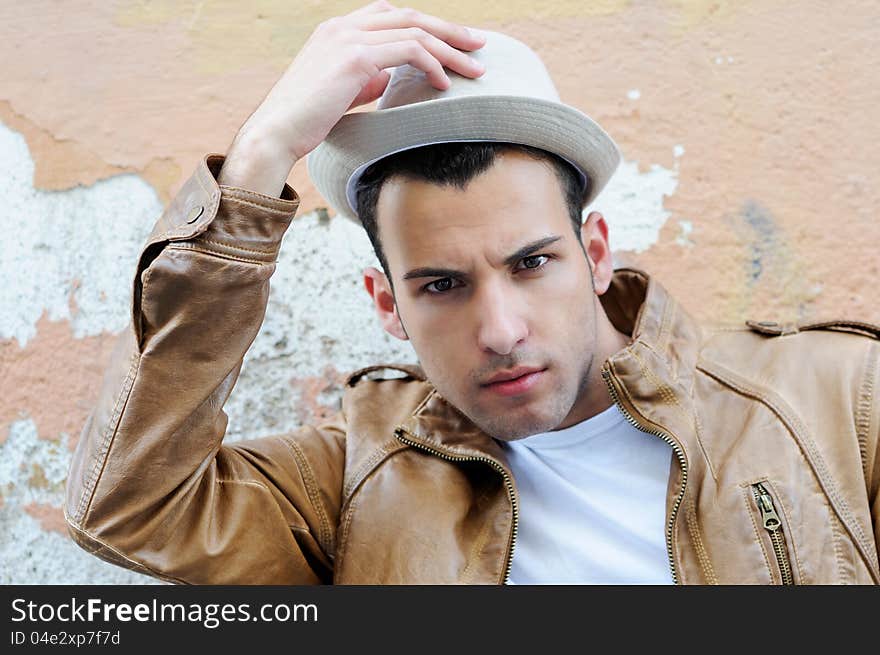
x=513, y=101
x=511, y=68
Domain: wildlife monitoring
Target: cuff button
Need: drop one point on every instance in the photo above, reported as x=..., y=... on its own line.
x=194, y=214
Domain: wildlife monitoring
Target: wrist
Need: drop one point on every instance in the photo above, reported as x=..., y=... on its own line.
x=256, y=163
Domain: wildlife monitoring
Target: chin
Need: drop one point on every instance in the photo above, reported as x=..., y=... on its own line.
x=515, y=425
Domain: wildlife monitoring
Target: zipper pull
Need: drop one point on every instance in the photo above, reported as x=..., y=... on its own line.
x=768, y=511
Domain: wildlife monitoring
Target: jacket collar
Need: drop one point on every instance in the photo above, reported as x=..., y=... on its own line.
x=661, y=356
x=638, y=305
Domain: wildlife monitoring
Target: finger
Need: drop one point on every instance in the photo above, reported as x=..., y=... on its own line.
x=455, y=35
x=397, y=53
x=372, y=90
x=443, y=52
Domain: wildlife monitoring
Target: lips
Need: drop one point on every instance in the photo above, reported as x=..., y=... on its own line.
x=511, y=374
x=515, y=382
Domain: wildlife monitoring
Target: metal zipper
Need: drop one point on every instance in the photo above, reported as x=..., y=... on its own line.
x=679, y=453
x=773, y=525
x=470, y=458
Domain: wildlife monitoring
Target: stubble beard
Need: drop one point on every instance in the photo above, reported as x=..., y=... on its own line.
x=512, y=426
x=555, y=406
x=506, y=427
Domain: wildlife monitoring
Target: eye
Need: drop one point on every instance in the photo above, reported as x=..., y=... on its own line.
x=533, y=261
x=443, y=285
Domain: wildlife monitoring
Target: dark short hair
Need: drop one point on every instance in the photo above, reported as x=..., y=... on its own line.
x=454, y=164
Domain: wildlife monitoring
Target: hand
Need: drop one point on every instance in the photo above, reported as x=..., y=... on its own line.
x=342, y=65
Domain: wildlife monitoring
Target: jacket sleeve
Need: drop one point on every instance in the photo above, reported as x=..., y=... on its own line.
x=150, y=487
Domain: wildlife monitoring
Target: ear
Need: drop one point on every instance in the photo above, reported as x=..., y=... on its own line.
x=594, y=234
x=379, y=288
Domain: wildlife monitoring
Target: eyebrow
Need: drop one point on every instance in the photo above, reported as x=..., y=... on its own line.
x=525, y=251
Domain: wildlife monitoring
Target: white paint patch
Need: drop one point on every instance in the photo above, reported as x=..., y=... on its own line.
x=634, y=94
x=28, y=553
x=677, y=151
x=632, y=204
x=20, y=454
x=51, y=238
x=683, y=238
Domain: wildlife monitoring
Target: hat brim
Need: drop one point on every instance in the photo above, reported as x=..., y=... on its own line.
x=362, y=138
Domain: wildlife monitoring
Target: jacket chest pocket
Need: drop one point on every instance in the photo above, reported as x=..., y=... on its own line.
x=774, y=535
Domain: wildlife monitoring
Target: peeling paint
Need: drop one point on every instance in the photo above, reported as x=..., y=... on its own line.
x=34, y=546
x=52, y=239
x=38, y=477
x=632, y=204
x=55, y=379
x=314, y=393
x=684, y=237
x=49, y=516
x=61, y=164
x=31, y=555
x=32, y=469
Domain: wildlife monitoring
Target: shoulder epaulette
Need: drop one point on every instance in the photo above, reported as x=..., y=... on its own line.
x=772, y=328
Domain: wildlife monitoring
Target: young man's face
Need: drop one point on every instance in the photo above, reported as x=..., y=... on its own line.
x=492, y=282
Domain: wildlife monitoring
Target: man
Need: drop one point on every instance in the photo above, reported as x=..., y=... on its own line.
x=567, y=422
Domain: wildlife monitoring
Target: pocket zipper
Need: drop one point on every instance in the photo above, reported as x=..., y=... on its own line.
x=773, y=525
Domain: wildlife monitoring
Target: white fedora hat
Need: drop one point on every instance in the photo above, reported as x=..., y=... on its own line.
x=514, y=101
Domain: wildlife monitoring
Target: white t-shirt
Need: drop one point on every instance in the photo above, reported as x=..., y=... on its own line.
x=592, y=504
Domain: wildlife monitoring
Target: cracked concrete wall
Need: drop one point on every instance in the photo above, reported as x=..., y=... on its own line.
x=747, y=130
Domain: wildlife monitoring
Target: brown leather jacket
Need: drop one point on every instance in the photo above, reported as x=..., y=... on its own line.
x=774, y=429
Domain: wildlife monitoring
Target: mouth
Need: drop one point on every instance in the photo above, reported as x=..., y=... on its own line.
x=514, y=382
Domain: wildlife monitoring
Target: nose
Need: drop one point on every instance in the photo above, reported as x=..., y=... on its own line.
x=501, y=325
